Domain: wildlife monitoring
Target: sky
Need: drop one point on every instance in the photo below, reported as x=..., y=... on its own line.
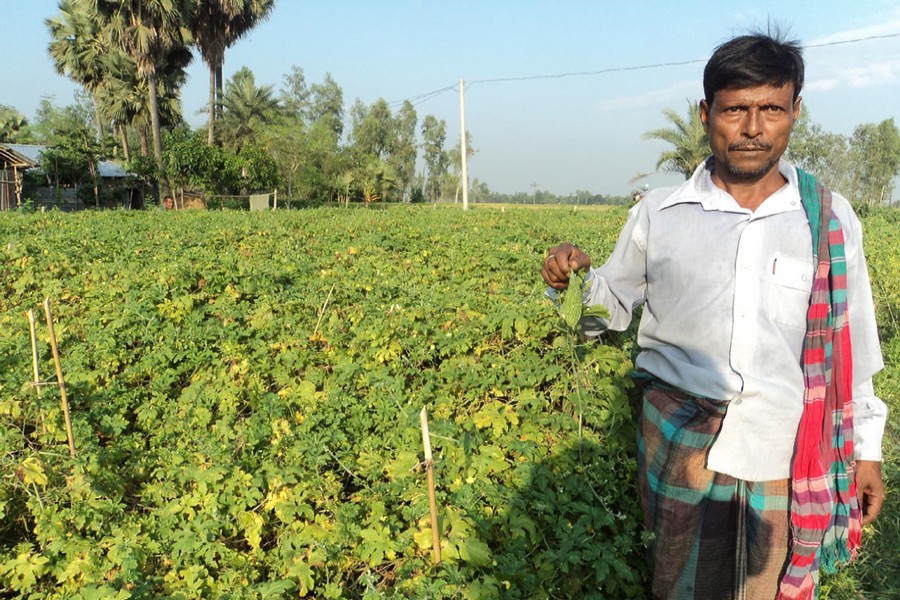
x=558, y=93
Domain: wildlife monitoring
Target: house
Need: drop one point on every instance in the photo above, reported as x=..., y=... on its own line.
x=13, y=165
x=16, y=159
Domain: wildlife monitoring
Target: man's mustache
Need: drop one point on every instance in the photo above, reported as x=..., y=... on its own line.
x=754, y=145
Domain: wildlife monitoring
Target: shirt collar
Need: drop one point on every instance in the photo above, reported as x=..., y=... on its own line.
x=700, y=189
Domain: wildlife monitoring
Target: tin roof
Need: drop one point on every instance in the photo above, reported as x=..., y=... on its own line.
x=29, y=156
x=13, y=155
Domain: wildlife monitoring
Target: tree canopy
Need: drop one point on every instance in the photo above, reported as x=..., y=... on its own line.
x=690, y=144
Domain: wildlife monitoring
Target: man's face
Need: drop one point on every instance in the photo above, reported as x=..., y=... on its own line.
x=168, y=203
x=749, y=129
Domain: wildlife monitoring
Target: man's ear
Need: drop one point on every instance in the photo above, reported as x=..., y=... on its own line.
x=797, y=107
x=704, y=114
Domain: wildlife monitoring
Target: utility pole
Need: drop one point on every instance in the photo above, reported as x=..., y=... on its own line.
x=462, y=144
x=534, y=186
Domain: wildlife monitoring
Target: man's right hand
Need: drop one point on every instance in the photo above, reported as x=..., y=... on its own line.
x=562, y=260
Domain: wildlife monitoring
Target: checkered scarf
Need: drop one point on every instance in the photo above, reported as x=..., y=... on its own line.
x=825, y=516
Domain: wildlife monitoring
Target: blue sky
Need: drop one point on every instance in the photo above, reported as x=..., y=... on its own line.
x=563, y=133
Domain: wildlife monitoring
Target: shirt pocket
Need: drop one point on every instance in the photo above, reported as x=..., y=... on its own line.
x=789, y=290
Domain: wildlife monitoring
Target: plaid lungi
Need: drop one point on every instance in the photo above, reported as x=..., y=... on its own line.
x=716, y=537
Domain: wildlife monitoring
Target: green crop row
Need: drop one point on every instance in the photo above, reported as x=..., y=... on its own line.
x=245, y=391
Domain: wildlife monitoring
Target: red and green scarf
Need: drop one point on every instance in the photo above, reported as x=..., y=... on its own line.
x=825, y=516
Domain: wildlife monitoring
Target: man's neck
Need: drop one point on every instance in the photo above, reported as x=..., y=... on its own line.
x=749, y=193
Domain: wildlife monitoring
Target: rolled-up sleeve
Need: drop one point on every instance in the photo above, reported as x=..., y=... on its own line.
x=869, y=417
x=621, y=283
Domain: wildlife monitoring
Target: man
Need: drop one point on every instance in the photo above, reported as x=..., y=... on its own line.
x=168, y=203
x=751, y=369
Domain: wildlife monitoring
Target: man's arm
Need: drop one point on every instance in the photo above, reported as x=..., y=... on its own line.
x=869, y=412
x=621, y=283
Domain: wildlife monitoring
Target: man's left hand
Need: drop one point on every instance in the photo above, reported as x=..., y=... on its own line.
x=869, y=488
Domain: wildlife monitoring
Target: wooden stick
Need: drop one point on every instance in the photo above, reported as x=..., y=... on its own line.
x=34, y=352
x=34, y=363
x=432, y=501
x=59, y=377
x=322, y=312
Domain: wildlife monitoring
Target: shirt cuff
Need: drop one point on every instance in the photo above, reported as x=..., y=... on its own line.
x=591, y=327
x=869, y=418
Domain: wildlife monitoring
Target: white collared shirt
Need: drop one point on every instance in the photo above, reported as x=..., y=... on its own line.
x=725, y=293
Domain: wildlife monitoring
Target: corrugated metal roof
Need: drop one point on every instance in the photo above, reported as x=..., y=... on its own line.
x=12, y=156
x=29, y=151
x=110, y=170
x=107, y=169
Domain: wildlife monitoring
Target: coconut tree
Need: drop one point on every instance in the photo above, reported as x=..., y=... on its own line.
x=689, y=140
x=246, y=107
x=216, y=25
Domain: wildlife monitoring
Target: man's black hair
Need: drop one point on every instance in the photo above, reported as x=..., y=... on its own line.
x=753, y=60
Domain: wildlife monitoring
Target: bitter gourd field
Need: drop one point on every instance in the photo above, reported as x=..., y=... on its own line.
x=245, y=391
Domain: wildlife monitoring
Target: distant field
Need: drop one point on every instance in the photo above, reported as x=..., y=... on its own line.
x=246, y=388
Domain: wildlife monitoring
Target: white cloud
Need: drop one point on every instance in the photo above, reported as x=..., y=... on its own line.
x=872, y=75
x=821, y=85
x=867, y=63
x=667, y=97
x=888, y=27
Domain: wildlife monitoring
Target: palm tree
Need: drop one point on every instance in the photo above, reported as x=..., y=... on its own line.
x=13, y=125
x=246, y=107
x=217, y=24
x=77, y=47
x=149, y=30
x=691, y=144
x=124, y=99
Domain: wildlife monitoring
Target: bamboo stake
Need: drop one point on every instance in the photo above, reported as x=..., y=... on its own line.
x=322, y=312
x=34, y=362
x=59, y=377
x=34, y=352
x=432, y=501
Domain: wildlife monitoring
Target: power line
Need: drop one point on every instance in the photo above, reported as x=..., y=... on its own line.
x=585, y=73
x=853, y=41
x=420, y=98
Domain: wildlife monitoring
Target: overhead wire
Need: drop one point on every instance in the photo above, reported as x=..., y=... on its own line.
x=424, y=97
x=853, y=41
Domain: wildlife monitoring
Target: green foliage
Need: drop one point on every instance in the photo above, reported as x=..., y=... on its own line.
x=876, y=150
x=383, y=149
x=258, y=168
x=74, y=159
x=434, y=134
x=688, y=138
x=51, y=120
x=245, y=390
x=861, y=166
x=876, y=573
x=247, y=109
x=13, y=126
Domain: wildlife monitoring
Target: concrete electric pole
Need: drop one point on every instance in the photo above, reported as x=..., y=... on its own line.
x=462, y=143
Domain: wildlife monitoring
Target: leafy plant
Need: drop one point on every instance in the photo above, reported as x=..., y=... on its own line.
x=240, y=437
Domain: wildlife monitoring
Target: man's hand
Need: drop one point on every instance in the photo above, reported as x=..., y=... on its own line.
x=562, y=260
x=869, y=488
